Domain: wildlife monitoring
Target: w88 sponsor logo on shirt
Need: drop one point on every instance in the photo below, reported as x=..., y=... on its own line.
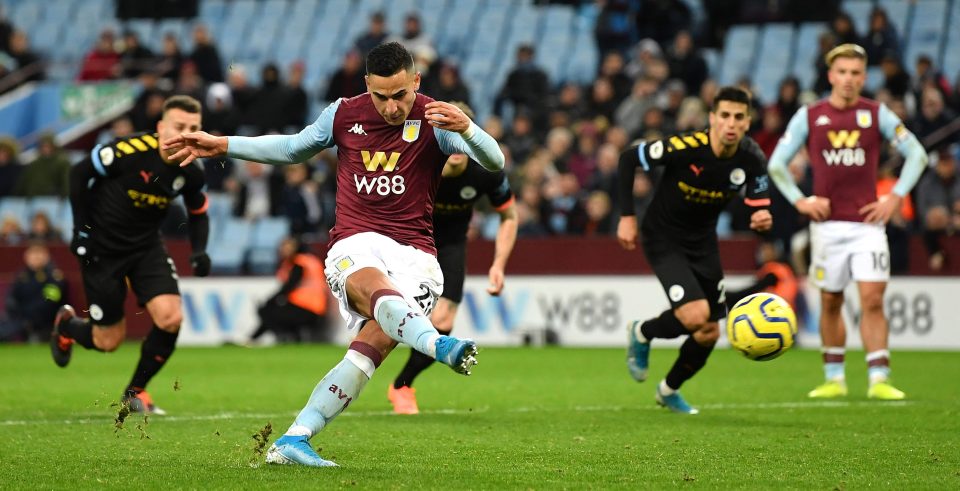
x=383, y=184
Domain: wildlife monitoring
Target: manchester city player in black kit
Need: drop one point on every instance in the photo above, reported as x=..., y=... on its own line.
x=463, y=183
x=702, y=172
x=120, y=195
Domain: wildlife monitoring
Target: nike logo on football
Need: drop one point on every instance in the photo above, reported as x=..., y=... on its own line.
x=822, y=120
x=696, y=170
x=358, y=129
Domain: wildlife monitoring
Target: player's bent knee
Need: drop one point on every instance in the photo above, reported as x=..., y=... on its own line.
x=694, y=315
x=170, y=321
x=109, y=338
x=371, y=333
x=442, y=317
x=708, y=334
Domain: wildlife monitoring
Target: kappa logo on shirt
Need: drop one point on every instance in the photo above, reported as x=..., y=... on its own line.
x=822, y=120
x=357, y=129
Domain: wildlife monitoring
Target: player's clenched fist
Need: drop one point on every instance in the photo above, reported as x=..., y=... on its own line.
x=447, y=116
x=761, y=220
x=627, y=232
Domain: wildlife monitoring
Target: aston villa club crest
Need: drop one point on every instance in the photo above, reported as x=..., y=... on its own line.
x=864, y=118
x=411, y=130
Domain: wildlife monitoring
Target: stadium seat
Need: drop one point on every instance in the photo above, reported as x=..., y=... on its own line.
x=27, y=14
x=712, y=57
x=220, y=207
x=927, y=31
x=45, y=37
x=66, y=221
x=49, y=205
x=212, y=11
x=17, y=208
x=875, y=78
x=558, y=18
x=859, y=11
x=59, y=11
x=951, y=55
x=804, y=56
x=267, y=234
x=231, y=246
x=772, y=65
x=738, y=53
x=144, y=29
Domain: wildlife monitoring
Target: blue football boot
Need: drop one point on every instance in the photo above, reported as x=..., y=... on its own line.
x=638, y=354
x=458, y=354
x=296, y=450
x=675, y=403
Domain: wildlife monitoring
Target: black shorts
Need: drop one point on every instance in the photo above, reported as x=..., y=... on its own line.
x=150, y=272
x=452, y=259
x=687, y=277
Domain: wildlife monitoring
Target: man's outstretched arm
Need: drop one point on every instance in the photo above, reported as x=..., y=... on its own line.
x=268, y=149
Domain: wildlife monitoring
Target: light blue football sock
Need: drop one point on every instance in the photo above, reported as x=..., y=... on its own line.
x=403, y=323
x=833, y=363
x=340, y=387
x=878, y=366
x=834, y=371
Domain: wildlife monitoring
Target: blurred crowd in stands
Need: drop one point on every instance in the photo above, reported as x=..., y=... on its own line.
x=562, y=140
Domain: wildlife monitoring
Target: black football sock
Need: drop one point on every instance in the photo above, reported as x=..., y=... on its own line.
x=259, y=332
x=154, y=353
x=692, y=358
x=666, y=326
x=81, y=331
x=417, y=363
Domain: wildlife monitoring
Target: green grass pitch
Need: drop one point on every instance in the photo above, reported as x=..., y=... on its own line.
x=554, y=418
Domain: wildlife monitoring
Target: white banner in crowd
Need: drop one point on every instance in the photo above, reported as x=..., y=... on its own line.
x=576, y=310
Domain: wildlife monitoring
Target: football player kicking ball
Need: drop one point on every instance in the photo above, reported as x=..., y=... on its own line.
x=843, y=134
x=463, y=183
x=391, y=143
x=702, y=172
x=120, y=196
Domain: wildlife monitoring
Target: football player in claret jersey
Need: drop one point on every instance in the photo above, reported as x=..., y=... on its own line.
x=464, y=183
x=391, y=143
x=702, y=172
x=120, y=195
x=843, y=135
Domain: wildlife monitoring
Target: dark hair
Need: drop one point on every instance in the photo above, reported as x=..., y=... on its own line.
x=732, y=94
x=182, y=102
x=388, y=59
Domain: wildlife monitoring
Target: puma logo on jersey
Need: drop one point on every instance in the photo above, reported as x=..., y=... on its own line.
x=357, y=129
x=822, y=120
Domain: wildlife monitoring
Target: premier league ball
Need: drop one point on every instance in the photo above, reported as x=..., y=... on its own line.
x=762, y=326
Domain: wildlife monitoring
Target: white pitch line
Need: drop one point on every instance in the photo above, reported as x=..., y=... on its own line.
x=102, y=419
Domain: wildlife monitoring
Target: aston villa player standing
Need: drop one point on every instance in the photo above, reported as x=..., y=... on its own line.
x=120, y=196
x=703, y=171
x=843, y=135
x=391, y=143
